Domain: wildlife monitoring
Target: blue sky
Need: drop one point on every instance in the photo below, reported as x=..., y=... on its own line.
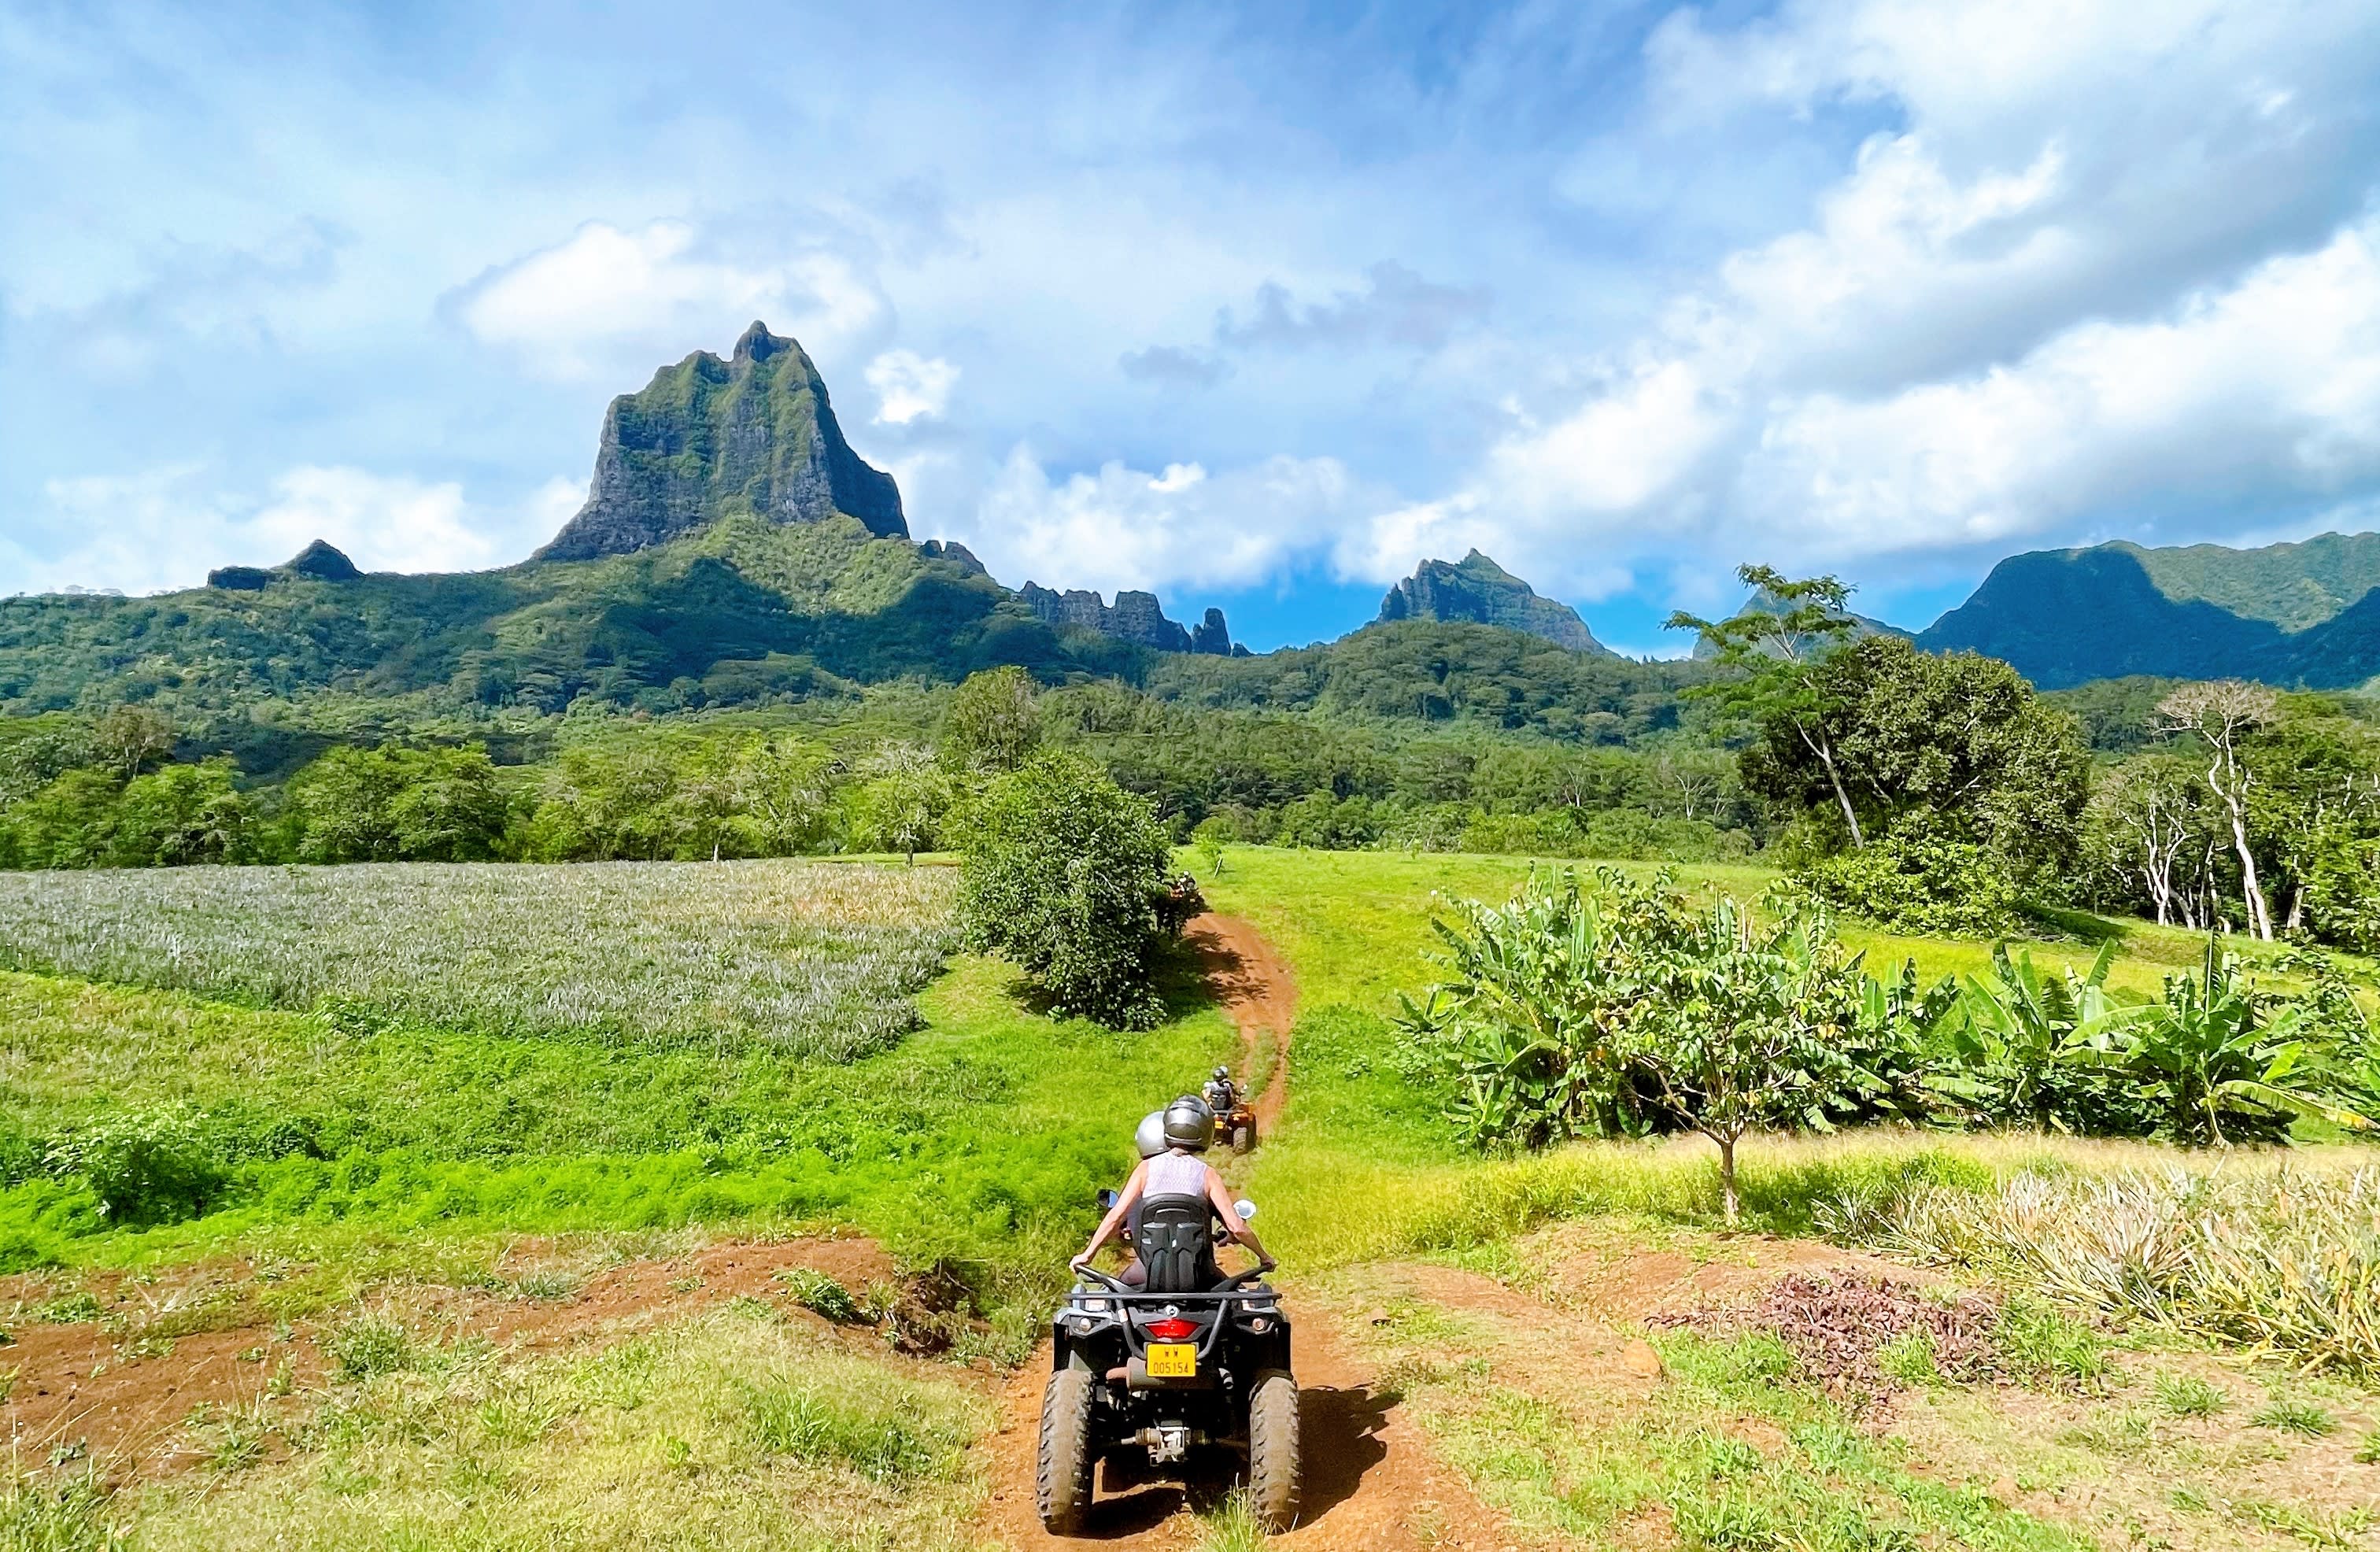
x=1253, y=306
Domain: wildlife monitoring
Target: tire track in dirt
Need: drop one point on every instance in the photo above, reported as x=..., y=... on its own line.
x=1371, y=1480
x=1256, y=987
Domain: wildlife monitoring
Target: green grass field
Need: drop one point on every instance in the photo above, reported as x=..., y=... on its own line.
x=334, y=1141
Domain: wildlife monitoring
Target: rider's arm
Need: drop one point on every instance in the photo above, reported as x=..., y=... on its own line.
x=1117, y=1215
x=1229, y=1211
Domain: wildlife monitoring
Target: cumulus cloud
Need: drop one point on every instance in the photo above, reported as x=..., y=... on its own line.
x=910, y=386
x=579, y=307
x=1125, y=527
x=2111, y=269
x=165, y=527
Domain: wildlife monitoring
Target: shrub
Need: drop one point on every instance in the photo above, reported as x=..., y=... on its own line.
x=821, y=1295
x=1917, y=883
x=1062, y=874
x=146, y=1166
x=1569, y=1013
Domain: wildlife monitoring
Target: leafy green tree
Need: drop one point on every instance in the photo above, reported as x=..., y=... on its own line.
x=450, y=808
x=994, y=720
x=901, y=805
x=394, y=804
x=1568, y=1012
x=1211, y=836
x=1063, y=873
x=130, y=739
x=1956, y=745
x=1772, y=658
x=180, y=815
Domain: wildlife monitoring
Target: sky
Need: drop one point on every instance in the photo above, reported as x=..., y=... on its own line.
x=1256, y=306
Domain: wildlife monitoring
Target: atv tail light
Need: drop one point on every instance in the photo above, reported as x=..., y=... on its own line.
x=1171, y=1331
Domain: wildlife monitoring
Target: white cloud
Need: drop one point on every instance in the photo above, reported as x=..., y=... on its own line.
x=910, y=386
x=2271, y=386
x=1125, y=527
x=166, y=528
x=606, y=294
x=2057, y=299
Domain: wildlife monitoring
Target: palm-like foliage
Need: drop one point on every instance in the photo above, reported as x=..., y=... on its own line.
x=2020, y=1035
x=2217, y=1050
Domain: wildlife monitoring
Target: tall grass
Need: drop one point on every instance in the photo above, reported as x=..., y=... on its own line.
x=816, y=958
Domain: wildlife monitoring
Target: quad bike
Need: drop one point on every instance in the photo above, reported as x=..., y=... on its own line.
x=1191, y=1363
x=1182, y=900
x=1236, y=1114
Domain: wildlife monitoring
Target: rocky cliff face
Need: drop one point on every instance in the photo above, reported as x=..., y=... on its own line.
x=708, y=438
x=1135, y=617
x=1476, y=590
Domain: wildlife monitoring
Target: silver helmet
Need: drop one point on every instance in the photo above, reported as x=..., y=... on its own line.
x=1189, y=1124
x=1149, y=1136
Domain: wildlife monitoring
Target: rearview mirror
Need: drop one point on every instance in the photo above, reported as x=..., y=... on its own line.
x=1108, y=1200
x=1245, y=1208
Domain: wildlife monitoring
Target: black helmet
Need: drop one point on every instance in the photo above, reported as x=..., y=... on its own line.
x=1189, y=1124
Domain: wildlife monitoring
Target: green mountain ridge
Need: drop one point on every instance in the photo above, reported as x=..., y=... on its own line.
x=2068, y=617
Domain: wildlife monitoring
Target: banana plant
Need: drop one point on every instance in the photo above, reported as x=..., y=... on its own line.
x=2214, y=1049
x=2017, y=1034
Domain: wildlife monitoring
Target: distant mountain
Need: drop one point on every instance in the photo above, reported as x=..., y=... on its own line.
x=2287, y=613
x=734, y=549
x=708, y=439
x=1136, y=617
x=1477, y=590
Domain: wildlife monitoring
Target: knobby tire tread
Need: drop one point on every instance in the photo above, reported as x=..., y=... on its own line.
x=1274, y=1483
x=1061, y=1476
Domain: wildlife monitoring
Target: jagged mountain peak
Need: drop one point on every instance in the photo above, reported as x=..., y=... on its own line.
x=755, y=434
x=1479, y=591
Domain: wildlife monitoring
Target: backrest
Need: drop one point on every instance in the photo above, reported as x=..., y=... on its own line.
x=1174, y=1238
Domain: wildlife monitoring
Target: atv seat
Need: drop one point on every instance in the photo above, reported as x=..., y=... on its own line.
x=1175, y=1238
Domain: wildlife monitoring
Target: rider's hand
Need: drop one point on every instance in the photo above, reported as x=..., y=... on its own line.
x=1079, y=1262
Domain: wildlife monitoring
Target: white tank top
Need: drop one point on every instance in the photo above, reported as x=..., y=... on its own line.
x=1175, y=1174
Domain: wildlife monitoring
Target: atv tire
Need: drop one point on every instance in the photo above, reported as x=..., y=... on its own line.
x=1273, y=1480
x=1242, y=1138
x=1062, y=1473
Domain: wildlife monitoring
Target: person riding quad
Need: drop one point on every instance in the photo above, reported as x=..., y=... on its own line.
x=1189, y=1128
x=1221, y=1095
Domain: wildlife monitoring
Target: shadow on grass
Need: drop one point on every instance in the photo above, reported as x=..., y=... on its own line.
x=1181, y=971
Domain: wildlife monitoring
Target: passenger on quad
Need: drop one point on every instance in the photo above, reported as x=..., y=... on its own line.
x=1171, y=1367
x=1189, y=1128
x=1223, y=1096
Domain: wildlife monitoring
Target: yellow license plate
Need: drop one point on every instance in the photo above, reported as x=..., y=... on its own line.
x=1173, y=1360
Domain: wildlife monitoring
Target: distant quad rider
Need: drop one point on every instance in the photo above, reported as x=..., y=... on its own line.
x=1223, y=1096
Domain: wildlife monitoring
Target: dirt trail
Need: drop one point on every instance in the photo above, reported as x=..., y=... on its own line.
x=1371, y=1480
x=1256, y=987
